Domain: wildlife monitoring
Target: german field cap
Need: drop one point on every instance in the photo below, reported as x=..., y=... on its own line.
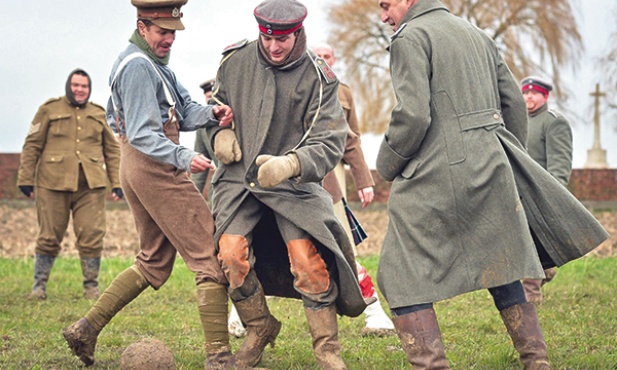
x=163, y=13
x=537, y=84
x=280, y=17
x=207, y=86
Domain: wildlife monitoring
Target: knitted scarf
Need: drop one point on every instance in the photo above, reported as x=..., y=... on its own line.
x=143, y=45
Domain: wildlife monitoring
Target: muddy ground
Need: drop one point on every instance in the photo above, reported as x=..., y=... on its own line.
x=18, y=228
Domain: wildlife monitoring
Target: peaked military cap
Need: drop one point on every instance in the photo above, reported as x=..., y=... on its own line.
x=537, y=84
x=280, y=17
x=163, y=13
x=207, y=86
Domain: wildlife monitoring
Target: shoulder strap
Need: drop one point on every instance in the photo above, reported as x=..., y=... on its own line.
x=123, y=63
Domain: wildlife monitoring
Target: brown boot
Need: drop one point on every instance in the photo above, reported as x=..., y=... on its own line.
x=523, y=326
x=262, y=328
x=324, y=331
x=90, y=270
x=43, y=264
x=532, y=290
x=81, y=338
x=421, y=339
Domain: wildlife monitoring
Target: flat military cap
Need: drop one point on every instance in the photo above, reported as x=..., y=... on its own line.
x=280, y=17
x=537, y=84
x=163, y=13
x=207, y=86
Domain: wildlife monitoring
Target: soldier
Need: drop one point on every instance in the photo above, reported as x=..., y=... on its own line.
x=147, y=108
x=276, y=228
x=550, y=144
x=71, y=156
x=376, y=320
x=466, y=197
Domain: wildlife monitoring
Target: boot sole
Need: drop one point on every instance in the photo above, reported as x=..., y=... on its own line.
x=76, y=347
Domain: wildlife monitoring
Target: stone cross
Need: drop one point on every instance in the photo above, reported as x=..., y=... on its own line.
x=596, y=156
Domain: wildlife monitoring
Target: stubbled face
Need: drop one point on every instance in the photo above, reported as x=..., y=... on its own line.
x=159, y=39
x=393, y=11
x=80, y=88
x=534, y=100
x=326, y=54
x=278, y=47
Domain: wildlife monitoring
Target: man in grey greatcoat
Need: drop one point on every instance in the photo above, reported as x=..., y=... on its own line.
x=550, y=144
x=457, y=222
x=275, y=225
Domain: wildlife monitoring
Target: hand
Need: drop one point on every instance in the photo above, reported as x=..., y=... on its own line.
x=226, y=147
x=366, y=196
x=273, y=170
x=28, y=190
x=200, y=163
x=117, y=194
x=224, y=114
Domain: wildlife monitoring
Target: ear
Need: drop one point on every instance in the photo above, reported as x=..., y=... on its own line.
x=141, y=27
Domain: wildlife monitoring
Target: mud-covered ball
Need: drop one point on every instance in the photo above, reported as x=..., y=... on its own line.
x=148, y=354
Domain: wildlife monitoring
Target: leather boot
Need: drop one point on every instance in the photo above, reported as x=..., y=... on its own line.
x=522, y=323
x=81, y=336
x=90, y=270
x=262, y=328
x=421, y=339
x=324, y=331
x=42, y=269
x=212, y=303
x=532, y=290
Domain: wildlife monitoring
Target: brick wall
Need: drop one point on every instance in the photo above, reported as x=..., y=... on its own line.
x=585, y=184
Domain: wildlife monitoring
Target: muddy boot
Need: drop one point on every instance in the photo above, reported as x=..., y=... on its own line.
x=421, y=339
x=532, y=290
x=42, y=269
x=90, y=269
x=81, y=336
x=550, y=275
x=262, y=328
x=212, y=303
x=522, y=323
x=324, y=331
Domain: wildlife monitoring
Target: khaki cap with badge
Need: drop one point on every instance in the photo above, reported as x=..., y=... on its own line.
x=163, y=13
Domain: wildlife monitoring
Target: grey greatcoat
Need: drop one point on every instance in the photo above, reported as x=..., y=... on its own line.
x=273, y=110
x=457, y=221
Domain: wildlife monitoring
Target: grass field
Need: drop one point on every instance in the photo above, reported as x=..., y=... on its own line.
x=579, y=319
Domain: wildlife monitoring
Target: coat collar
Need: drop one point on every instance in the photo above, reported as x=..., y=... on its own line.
x=418, y=9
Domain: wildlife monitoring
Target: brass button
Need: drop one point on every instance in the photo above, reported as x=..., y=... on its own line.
x=78, y=127
x=77, y=152
x=77, y=140
x=252, y=184
x=78, y=117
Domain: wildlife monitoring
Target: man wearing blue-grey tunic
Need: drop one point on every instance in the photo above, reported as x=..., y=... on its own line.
x=147, y=109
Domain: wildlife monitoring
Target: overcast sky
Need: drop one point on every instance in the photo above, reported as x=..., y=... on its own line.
x=45, y=40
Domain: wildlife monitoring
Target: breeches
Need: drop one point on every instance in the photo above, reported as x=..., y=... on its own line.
x=311, y=276
x=170, y=216
x=54, y=209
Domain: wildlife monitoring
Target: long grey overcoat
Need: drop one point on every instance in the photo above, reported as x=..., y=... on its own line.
x=273, y=110
x=457, y=223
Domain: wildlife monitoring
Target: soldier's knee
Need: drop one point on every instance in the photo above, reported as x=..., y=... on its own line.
x=307, y=266
x=234, y=258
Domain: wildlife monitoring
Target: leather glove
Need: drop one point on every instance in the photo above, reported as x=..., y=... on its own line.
x=26, y=189
x=226, y=147
x=273, y=170
x=118, y=191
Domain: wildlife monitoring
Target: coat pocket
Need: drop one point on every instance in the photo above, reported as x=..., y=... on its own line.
x=60, y=125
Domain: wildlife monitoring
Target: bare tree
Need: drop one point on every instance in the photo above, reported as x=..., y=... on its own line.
x=535, y=37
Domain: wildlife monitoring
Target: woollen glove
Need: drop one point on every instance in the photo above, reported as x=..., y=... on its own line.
x=26, y=189
x=226, y=147
x=118, y=191
x=273, y=170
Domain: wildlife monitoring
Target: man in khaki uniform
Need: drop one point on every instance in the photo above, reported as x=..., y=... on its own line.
x=376, y=320
x=70, y=156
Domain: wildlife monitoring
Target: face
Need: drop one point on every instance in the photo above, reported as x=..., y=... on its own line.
x=80, y=88
x=534, y=100
x=278, y=47
x=326, y=54
x=159, y=39
x=393, y=11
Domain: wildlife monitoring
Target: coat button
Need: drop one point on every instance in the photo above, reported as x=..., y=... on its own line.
x=496, y=115
x=252, y=184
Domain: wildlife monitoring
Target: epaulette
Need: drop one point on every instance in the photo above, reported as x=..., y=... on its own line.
x=97, y=105
x=52, y=100
x=552, y=113
x=235, y=46
x=325, y=70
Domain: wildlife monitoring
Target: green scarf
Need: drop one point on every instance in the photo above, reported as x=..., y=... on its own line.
x=143, y=45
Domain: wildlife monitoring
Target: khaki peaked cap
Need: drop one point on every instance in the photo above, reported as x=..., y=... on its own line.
x=163, y=13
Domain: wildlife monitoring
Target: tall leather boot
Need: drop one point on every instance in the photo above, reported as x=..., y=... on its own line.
x=90, y=270
x=324, y=331
x=532, y=290
x=522, y=323
x=421, y=339
x=212, y=303
x=262, y=328
x=81, y=336
x=43, y=264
